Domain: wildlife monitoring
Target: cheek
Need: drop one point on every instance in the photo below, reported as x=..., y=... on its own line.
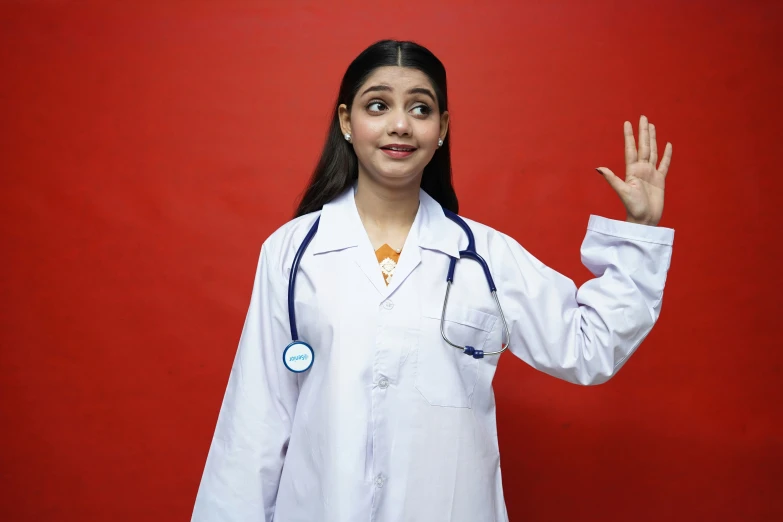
x=430, y=131
x=366, y=129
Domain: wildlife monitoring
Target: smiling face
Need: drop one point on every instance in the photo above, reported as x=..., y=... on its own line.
x=395, y=125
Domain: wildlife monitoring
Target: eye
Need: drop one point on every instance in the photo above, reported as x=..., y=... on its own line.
x=423, y=110
x=376, y=106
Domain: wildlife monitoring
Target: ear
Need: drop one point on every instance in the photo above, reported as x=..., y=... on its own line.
x=344, y=115
x=444, y=124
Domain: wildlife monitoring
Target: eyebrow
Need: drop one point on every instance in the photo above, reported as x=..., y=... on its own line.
x=386, y=88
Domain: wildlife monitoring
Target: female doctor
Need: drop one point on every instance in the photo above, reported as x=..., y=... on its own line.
x=383, y=409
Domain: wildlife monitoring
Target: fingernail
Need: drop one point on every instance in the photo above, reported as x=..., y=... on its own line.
x=599, y=171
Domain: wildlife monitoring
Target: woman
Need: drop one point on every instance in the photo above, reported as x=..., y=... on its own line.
x=389, y=421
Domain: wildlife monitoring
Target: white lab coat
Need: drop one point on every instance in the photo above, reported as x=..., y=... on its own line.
x=391, y=424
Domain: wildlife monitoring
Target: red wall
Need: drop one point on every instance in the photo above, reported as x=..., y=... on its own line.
x=147, y=151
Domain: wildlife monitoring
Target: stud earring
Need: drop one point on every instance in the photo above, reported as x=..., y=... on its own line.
x=348, y=137
x=440, y=142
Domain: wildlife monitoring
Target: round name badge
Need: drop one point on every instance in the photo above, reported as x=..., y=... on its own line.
x=298, y=356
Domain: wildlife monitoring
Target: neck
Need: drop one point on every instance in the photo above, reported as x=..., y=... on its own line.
x=387, y=213
x=386, y=207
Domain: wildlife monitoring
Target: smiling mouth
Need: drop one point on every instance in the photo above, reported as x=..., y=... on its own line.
x=399, y=148
x=398, y=152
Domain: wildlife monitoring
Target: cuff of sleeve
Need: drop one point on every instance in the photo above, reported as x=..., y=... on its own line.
x=631, y=231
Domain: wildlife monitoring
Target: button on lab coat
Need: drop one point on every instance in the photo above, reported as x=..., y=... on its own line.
x=391, y=424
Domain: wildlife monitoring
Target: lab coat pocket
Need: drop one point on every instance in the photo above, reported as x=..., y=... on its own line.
x=445, y=376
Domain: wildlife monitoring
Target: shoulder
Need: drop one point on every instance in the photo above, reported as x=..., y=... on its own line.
x=487, y=236
x=500, y=249
x=280, y=247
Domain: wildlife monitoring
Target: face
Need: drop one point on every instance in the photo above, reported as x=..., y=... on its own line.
x=394, y=125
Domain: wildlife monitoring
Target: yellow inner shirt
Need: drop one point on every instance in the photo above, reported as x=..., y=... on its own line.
x=387, y=259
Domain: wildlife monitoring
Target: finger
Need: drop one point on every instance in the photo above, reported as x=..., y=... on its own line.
x=644, y=139
x=616, y=183
x=630, y=144
x=666, y=160
x=653, y=146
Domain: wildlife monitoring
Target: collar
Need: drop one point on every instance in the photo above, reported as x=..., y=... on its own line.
x=341, y=227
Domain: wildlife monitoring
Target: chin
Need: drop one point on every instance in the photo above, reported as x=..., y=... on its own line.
x=399, y=170
x=398, y=178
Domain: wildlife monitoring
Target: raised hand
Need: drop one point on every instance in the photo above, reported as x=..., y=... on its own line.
x=642, y=190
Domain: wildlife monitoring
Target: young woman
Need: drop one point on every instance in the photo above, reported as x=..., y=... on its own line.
x=383, y=409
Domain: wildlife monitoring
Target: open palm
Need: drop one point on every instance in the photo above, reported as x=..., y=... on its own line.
x=642, y=190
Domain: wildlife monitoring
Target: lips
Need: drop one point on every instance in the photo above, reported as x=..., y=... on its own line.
x=398, y=150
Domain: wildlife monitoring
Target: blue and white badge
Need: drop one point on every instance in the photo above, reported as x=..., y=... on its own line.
x=298, y=357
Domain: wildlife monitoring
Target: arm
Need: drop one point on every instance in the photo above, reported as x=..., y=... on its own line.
x=245, y=459
x=585, y=335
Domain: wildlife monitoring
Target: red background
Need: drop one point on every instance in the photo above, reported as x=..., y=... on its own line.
x=149, y=149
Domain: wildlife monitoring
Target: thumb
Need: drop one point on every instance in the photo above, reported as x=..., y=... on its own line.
x=616, y=183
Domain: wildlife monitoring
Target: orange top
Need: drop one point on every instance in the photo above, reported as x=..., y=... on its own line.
x=387, y=258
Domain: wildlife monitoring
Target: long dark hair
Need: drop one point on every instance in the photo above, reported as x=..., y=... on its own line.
x=338, y=167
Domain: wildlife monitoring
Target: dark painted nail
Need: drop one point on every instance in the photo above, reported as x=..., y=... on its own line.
x=599, y=171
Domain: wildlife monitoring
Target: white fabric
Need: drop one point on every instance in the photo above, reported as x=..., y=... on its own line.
x=390, y=423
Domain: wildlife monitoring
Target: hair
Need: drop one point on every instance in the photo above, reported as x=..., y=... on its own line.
x=338, y=167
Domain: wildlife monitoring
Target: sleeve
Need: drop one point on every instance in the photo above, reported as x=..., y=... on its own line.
x=585, y=335
x=245, y=459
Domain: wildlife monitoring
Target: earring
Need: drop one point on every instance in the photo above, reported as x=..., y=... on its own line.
x=440, y=142
x=348, y=137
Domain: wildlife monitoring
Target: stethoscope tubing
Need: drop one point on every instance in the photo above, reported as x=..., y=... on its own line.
x=469, y=253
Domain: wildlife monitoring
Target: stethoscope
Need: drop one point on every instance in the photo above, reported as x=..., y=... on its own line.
x=298, y=355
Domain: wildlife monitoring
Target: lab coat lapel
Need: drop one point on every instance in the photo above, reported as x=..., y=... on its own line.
x=341, y=228
x=435, y=230
x=410, y=256
x=431, y=230
x=365, y=258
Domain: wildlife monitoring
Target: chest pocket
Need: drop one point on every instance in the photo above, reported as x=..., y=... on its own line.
x=445, y=376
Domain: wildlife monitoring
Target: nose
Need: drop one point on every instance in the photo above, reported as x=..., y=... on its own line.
x=399, y=123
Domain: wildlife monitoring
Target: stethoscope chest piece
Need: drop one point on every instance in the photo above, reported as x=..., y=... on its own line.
x=298, y=356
